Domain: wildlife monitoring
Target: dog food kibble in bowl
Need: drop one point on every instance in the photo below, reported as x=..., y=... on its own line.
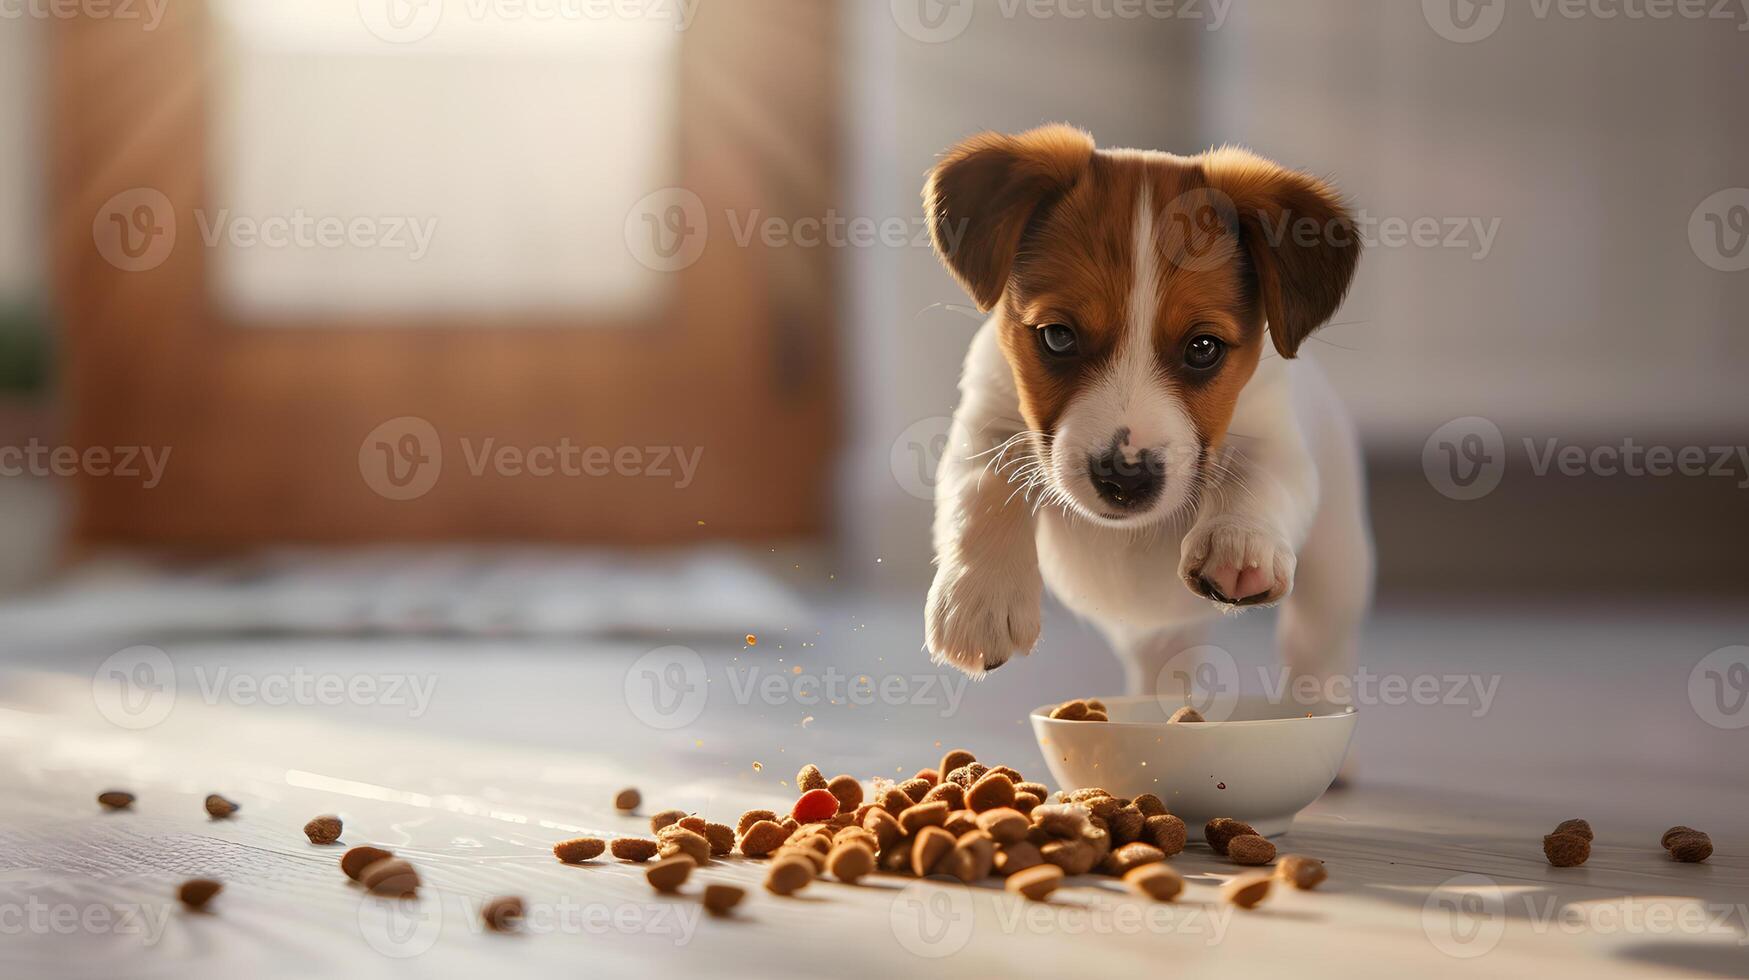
x=1248, y=759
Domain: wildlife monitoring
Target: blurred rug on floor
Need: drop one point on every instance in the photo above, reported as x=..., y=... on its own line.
x=408, y=591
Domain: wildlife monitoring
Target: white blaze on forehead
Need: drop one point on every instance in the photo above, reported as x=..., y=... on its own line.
x=1133, y=399
x=1135, y=394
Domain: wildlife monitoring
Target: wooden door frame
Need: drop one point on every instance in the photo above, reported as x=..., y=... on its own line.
x=265, y=425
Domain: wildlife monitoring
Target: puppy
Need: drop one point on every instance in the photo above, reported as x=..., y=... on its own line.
x=1135, y=426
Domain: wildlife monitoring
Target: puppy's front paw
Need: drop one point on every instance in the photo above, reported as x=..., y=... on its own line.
x=977, y=621
x=1237, y=563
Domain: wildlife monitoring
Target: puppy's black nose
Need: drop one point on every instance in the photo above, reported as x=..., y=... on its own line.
x=1124, y=484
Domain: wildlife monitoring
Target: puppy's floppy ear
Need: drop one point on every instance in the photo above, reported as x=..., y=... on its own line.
x=1300, y=238
x=981, y=195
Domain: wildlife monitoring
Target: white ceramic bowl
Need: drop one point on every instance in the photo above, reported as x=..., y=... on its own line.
x=1262, y=765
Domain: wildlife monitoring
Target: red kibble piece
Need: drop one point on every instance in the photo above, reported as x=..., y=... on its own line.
x=816, y=805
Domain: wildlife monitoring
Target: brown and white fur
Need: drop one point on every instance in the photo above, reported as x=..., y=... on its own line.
x=1255, y=494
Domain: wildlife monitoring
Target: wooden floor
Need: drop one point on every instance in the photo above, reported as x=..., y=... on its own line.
x=1434, y=851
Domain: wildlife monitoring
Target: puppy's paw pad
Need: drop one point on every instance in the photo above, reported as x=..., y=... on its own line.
x=1237, y=564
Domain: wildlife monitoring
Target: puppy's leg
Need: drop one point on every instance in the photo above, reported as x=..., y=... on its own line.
x=984, y=605
x=1319, y=629
x=1155, y=661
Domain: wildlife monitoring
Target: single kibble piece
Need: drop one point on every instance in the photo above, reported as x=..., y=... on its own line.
x=722, y=838
x=1024, y=802
x=973, y=857
x=1575, y=826
x=1166, y=832
x=916, y=788
x=1692, y=847
x=1566, y=850
x=694, y=823
x=679, y=840
x=1037, y=789
x=502, y=914
x=850, y=861
x=1247, y=891
x=992, y=792
x=1250, y=849
x=1013, y=858
x=1070, y=711
x=579, y=850
x=923, y=815
x=1076, y=857
x=810, y=777
x=219, y=807
x=762, y=838
x=1185, y=716
x=884, y=826
x=354, y=861
x=1066, y=820
x=196, y=893
x=931, y=845
x=1012, y=773
x=1150, y=805
x=323, y=830
x=967, y=774
x=752, y=817
x=390, y=876
x=634, y=849
x=1094, y=704
x=1300, y=871
x=1126, y=823
x=930, y=776
x=627, y=800
x=1035, y=883
x=667, y=818
x=116, y=799
x=953, y=760
x=1096, y=716
x=1220, y=830
x=1156, y=881
x=815, y=805
x=953, y=794
x=788, y=875
x=1004, y=825
x=1132, y=856
x=847, y=790
x=668, y=874
x=1664, y=841
x=720, y=898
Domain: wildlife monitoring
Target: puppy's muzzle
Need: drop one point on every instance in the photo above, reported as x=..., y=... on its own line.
x=1124, y=484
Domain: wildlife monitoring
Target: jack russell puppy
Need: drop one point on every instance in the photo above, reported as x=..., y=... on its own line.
x=1135, y=427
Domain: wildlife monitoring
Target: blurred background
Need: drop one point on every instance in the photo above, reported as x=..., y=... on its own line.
x=341, y=316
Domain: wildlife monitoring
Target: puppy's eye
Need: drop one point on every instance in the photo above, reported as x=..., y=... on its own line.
x=1204, y=352
x=1058, y=340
